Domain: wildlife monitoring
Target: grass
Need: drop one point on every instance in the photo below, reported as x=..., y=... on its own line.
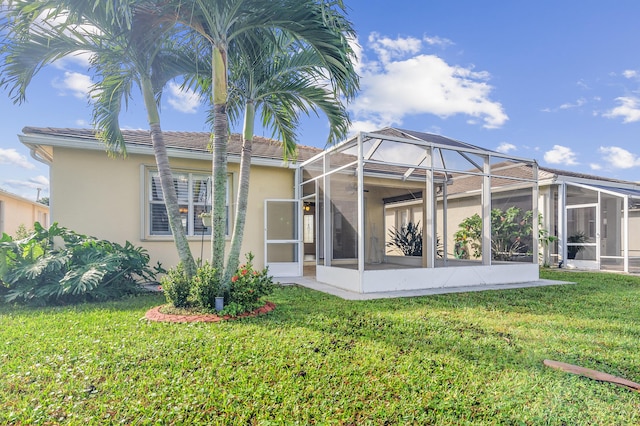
x=473, y=358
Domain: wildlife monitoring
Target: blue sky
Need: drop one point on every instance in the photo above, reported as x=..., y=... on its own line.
x=556, y=81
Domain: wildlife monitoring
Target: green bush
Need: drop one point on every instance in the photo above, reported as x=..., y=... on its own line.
x=242, y=294
x=35, y=271
x=511, y=234
x=206, y=287
x=177, y=287
x=248, y=286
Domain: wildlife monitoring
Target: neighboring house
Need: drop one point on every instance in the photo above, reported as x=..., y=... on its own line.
x=16, y=211
x=332, y=209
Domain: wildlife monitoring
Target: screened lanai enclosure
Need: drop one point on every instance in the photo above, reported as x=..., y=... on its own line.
x=404, y=210
x=597, y=224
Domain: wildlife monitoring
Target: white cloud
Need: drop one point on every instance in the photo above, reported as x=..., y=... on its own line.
x=583, y=84
x=619, y=158
x=560, y=155
x=186, y=101
x=505, y=147
x=13, y=157
x=78, y=84
x=595, y=166
x=580, y=102
x=629, y=109
x=630, y=73
x=438, y=41
x=401, y=81
x=568, y=105
x=387, y=48
x=80, y=59
x=82, y=123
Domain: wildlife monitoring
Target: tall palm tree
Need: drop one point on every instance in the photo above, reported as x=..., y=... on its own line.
x=321, y=26
x=277, y=80
x=143, y=51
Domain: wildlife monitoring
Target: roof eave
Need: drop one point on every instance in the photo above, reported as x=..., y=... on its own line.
x=34, y=142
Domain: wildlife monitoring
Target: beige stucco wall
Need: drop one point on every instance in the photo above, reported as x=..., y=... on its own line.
x=104, y=197
x=16, y=211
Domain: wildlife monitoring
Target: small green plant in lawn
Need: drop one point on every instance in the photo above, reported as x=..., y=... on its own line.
x=78, y=268
x=248, y=286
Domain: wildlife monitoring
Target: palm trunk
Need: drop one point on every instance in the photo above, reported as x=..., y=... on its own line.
x=219, y=161
x=166, y=181
x=243, y=191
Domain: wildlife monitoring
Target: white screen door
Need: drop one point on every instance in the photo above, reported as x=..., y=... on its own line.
x=283, y=245
x=583, y=236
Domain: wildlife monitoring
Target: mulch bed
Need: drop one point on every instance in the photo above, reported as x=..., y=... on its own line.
x=154, y=314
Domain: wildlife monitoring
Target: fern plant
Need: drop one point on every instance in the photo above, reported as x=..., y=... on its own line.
x=35, y=271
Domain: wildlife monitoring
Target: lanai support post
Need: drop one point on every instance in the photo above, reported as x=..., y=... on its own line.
x=361, y=229
x=486, y=212
x=625, y=233
x=535, y=222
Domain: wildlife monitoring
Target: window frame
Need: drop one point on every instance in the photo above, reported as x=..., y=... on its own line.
x=191, y=203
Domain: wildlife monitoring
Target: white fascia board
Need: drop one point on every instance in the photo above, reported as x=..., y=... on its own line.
x=592, y=182
x=33, y=141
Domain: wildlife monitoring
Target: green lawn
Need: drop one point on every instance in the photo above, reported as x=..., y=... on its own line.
x=472, y=358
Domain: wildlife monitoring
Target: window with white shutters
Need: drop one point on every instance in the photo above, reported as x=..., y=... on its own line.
x=194, y=198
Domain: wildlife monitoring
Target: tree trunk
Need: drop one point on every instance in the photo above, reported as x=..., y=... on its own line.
x=243, y=191
x=219, y=161
x=166, y=181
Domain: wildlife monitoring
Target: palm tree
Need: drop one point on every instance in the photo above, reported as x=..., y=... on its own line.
x=279, y=80
x=319, y=25
x=142, y=51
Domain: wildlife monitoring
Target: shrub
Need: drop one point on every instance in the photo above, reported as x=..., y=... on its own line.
x=206, y=287
x=511, y=234
x=176, y=286
x=82, y=268
x=248, y=286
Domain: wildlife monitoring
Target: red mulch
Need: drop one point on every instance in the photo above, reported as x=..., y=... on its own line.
x=154, y=314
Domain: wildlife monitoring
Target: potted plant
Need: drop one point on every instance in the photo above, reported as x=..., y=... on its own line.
x=206, y=219
x=577, y=238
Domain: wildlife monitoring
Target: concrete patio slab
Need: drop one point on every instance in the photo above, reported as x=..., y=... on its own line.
x=310, y=282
